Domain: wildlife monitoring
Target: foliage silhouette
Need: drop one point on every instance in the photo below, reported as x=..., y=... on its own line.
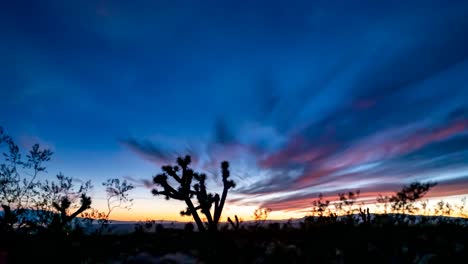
x=30, y=205
x=338, y=231
x=365, y=216
x=346, y=205
x=117, y=196
x=321, y=213
x=62, y=202
x=260, y=216
x=192, y=184
x=18, y=181
x=236, y=225
x=403, y=201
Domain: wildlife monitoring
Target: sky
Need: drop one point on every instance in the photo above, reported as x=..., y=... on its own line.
x=301, y=97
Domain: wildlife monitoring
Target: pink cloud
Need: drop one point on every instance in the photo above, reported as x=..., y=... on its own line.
x=393, y=147
x=386, y=147
x=312, y=176
x=296, y=151
x=300, y=203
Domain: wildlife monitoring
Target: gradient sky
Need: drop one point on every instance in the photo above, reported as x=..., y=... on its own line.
x=301, y=97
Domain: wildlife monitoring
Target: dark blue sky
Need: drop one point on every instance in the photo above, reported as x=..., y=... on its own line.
x=301, y=96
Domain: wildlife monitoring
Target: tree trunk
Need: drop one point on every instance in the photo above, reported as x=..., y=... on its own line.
x=194, y=213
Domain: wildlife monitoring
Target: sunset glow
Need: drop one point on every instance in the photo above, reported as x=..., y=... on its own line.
x=318, y=97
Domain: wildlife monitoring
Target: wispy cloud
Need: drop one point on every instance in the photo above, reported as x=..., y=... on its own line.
x=148, y=150
x=300, y=98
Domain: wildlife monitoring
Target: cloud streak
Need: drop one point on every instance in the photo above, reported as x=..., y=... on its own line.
x=301, y=98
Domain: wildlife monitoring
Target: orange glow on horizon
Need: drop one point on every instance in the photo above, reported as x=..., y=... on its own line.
x=246, y=212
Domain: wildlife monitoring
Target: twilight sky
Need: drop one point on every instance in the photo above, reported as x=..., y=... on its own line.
x=301, y=97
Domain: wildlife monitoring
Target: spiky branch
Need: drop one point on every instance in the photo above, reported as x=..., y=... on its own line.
x=184, y=177
x=64, y=218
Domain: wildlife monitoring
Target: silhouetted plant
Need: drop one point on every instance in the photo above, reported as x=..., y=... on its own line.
x=144, y=227
x=320, y=206
x=365, y=216
x=442, y=208
x=192, y=184
x=321, y=212
x=424, y=207
x=461, y=208
x=261, y=215
x=116, y=197
x=29, y=203
x=62, y=202
x=235, y=225
x=149, y=224
x=383, y=201
x=18, y=181
x=8, y=219
x=345, y=205
x=403, y=201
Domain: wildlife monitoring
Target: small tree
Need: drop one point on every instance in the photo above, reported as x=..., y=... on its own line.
x=320, y=206
x=18, y=181
x=403, y=201
x=346, y=204
x=117, y=195
x=193, y=185
x=321, y=212
x=384, y=202
x=461, y=208
x=261, y=215
x=29, y=203
x=62, y=202
x=442, y=208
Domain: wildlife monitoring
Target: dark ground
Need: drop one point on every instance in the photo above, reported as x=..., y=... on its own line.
x=313, y=244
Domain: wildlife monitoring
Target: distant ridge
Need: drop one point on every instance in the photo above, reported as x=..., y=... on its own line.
x=123, y=227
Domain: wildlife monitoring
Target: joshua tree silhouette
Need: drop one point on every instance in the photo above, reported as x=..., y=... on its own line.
x=185, y=176
x=63, y=219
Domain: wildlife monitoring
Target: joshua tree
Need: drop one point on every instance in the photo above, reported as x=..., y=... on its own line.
x=193, y=185
x=60, y=203
x=235, y=225
x=29, y=203
x=64, y=218
x=365, y=216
